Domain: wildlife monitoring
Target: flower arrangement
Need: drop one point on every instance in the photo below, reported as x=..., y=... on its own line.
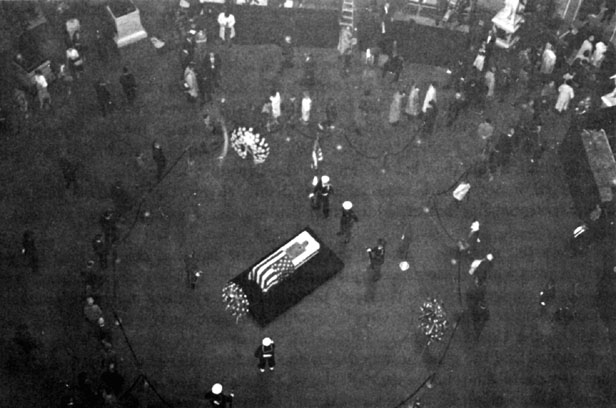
x=236, y=300
x=246, y=141
x=433, y=320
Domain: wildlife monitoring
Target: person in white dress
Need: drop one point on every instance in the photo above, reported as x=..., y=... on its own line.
x=587, y=45
x=548, y=60
x=565, y=94
x=306, y=107
x=430, y=96
x=599, y=55
x=275, y=99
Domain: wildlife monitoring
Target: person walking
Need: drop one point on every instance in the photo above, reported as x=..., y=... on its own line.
x=29, y=251
x=455, y=107
x=347, y=219
x=377, y=259
x=129, y=85
x=217, y=398
x=480, y=268
x=265, y=354
x=159, y=158
x=101, y=250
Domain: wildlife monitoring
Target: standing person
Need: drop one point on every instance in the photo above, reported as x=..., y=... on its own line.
x=490, y=78
x=209, y=78
x=276, y=102
x=190, y=83
x=103, y=96
x=108, y=223
x=500, y=156
x=485, y=130
x=323, y=192
x=74, y=62
x=377, y=259
x=345, y=48
x=21, y=103
x=100, y=45
x=29, y=251
x=430, y=96
x=331, y=114
x=565, y=94
x=159, y=158
x=548, y=60
x=599, y=54
x=396, y=108
x=413, y=106
x=480, y=268
x=310, y=68
x=306, y=107
x=192, y=270
x=586, y=48
x=226, y=23
x=429, y=121
x=347, y=219
x=455, y=107
x=265, y=354
x=288, y=52
x=129, y=85
x=217, y=398
x=69, y=173
x=92, y=311
x=101, y=250
x=41, y=90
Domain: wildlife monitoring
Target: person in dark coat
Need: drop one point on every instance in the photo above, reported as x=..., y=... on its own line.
x=429, y=120
x=347, y=219
x=480, y=268
x=310, y=68
x=112, y=379
x=265, y=354
x=217, y=398
x=500, y=156
x=29, y=251
x=322, y=189
x=129, y=85
x=160, y=160
x=69, y=172
x=377, y=259
x=108, y=222
x=101, y=250
x=455, y=107
x=209, y=76
x=192, y=270
x=103, y=96
x=288, y=51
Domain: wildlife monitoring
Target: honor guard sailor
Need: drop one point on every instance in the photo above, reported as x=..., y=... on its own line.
x=265, y=354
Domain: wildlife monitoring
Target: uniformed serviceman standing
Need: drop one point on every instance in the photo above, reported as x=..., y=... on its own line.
x=347, y=219
x=265, y=354
x=101, y=250
x=377, y=259
x=160, y=160
x=217, y=398
x=320, y=194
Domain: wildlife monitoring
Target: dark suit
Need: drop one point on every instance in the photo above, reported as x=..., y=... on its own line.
x=209, y=77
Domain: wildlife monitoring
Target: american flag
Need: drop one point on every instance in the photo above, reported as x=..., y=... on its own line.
x=272, y=270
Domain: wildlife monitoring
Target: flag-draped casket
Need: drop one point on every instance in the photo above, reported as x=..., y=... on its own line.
x=285, y=276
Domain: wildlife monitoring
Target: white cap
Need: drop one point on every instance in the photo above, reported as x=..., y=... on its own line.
x=267, y=342
x=216, y=389
x=184, y=4
x=324, y=179
x=347, y=205
x=475, y=226
x=489, y=257
x=101, y=321
x=404, y=266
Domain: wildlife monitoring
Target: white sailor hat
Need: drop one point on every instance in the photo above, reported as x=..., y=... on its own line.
x=347, y=205
x=267, y=342
x=324, y=179
x=216, y=389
